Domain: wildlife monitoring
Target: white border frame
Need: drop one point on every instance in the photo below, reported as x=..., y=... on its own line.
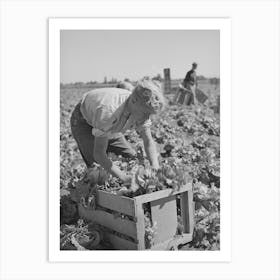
x=55, y=25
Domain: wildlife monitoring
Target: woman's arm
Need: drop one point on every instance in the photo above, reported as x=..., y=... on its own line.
x=99, y=154
x=150, y=147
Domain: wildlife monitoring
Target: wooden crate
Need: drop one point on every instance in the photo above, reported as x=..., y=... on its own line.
x=163, y=206
x=183, y=96
x=200, y=95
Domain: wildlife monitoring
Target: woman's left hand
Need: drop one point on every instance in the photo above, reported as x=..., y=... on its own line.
x=155, y=168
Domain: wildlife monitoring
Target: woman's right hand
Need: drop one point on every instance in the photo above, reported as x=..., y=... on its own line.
x=129, y=184
x=127, y=180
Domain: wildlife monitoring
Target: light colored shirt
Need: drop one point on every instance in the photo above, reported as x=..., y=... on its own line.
x=104, y=110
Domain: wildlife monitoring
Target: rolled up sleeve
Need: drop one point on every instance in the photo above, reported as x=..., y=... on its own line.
x=101, y=119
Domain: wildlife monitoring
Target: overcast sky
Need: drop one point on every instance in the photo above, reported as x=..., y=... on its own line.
x=90, y=55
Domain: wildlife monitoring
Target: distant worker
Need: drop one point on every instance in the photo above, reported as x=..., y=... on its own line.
x=190, y=82
x=186, y=93
x=125, y=85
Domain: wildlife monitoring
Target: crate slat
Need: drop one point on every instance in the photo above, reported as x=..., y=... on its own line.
x=161, y=194
x=117, y=203
x=164, y=214
x=140, y=225
x=187, y=211
x=108, y=220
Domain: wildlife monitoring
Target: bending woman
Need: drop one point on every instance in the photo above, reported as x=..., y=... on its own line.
x=103, y=115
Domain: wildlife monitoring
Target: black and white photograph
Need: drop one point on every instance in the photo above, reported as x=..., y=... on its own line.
x=139, y=163
x=140, y=140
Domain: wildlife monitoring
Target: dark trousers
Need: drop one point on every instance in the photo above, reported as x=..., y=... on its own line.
x=82, y=133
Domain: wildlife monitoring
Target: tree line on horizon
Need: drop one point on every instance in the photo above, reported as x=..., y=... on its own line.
x=114, y=81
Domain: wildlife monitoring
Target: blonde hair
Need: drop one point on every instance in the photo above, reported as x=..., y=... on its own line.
x=149, y=91
x=125, y=85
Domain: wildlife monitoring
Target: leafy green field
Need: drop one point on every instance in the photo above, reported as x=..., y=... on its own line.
x=188, y=140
